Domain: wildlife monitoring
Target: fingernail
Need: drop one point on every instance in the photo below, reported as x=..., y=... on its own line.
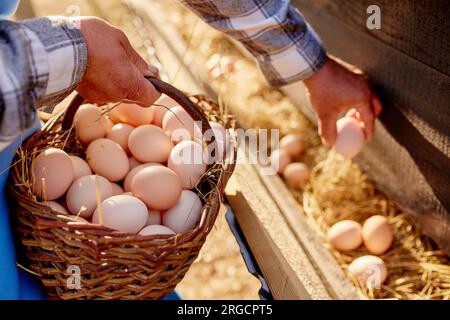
x=152, y=71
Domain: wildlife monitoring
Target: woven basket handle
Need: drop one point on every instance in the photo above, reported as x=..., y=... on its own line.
x=162, y=87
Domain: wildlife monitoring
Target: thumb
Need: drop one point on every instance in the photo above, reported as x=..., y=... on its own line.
x=142, y=90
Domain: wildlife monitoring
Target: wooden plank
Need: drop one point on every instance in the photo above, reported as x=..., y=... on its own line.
x=324, y=263
x=283, y=262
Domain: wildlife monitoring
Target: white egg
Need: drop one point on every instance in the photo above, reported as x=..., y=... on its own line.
x=156, y=230
x=186, y=160
x=55, y=206
x=369, y=271
x=185, y=215
x=123, y=212
x=82, y=195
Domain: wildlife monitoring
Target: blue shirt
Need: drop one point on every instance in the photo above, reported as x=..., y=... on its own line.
x=15, y=283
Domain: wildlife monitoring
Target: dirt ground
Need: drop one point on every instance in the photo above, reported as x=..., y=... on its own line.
x=219, y=272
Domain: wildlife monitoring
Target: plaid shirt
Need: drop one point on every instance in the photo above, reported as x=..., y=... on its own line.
x=284, y=45
x=43, y=60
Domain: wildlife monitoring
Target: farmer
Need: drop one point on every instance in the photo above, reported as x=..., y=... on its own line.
x=43, y=60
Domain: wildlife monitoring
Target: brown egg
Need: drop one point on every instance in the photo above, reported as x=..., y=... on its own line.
x=120, y=133
x=179, y=125
x=107, y=158
x=186, y=160
x=345, y=235
x=132, y=114
x=155, y=229
x=82, y=194
x=55, y=206
x=80, y=167
x=52, y=174
x=350, y=137
x=293, y=144
x=133, y=163
x=160, y=108
x=279, y=159
x=296, y=175
x=377, y=234
x=158, y=186
x=116, y=189
x=90, y=124
x=185, y=215
x=154, y=217
x=368, y=271
x=122, y=212
x=130, y=176
x=149, y=143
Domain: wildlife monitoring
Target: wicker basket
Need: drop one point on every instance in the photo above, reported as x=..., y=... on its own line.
x=112, y=265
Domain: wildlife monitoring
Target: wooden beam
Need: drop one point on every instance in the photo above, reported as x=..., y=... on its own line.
x=324, y=263
x=283, y=262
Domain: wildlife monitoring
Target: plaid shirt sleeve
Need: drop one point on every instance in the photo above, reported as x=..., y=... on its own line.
x=286, y=48
x=41, y=62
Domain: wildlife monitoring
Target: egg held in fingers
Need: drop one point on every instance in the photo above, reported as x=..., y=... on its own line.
x=350, y=137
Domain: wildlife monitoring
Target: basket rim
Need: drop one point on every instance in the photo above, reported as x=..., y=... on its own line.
x=45, y=218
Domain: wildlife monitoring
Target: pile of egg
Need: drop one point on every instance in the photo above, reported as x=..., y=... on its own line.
x=141, y=167
x=295, y=174
x=376, y=235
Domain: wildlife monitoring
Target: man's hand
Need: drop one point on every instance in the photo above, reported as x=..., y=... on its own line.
x=115, y=71
x=336, y=89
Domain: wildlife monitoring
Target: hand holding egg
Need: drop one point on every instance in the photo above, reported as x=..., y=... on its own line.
x=350, y=137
